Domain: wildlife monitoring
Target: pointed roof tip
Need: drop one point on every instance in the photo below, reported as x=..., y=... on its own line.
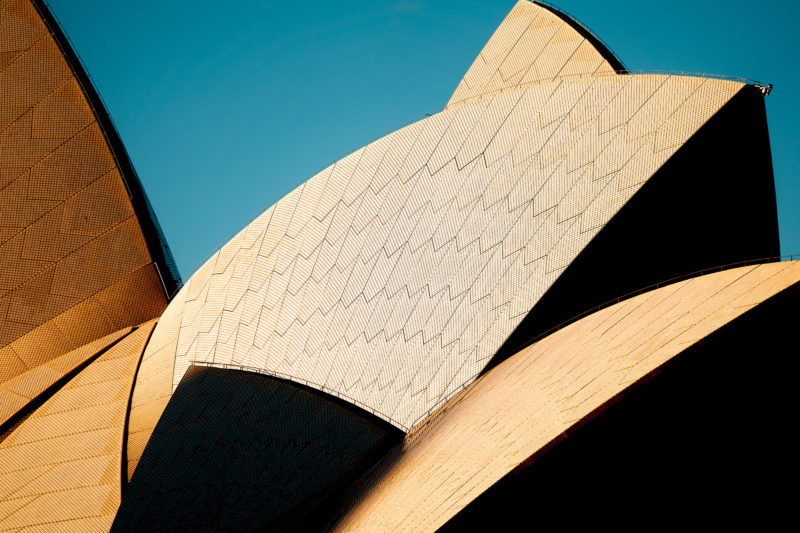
x=536, y=42
x=586, y=33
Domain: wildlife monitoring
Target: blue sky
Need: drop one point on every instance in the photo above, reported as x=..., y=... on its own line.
x=224, y=107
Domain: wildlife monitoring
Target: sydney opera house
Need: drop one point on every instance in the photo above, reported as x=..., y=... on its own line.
x=560, y=300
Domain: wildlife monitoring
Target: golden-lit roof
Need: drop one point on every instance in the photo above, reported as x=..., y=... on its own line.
x=62, y=466
x=75, y=264
x=20, y=390
x=530, y=400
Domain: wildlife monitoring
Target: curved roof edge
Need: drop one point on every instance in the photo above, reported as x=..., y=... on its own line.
x=153, y=234
x=535, y=41
x=555, y=386
x=343, y=402
x=587, y=34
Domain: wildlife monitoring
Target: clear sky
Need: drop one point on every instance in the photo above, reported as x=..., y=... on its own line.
x=225, y=106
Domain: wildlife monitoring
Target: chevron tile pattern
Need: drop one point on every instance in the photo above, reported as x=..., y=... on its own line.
x=390, y=278
x=67, y=226
x=532, y=44
x=62, y=467
x=466, y=447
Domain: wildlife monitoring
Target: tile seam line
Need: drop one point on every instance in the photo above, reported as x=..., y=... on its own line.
x=92, y=296
x=56, y=386
x=53, y=264
x=155, y=240
x=29, y=109
x=59, y=203
x=124, y=461
x=40, y=160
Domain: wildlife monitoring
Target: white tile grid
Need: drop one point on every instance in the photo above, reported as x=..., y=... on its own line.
x=379, y=281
